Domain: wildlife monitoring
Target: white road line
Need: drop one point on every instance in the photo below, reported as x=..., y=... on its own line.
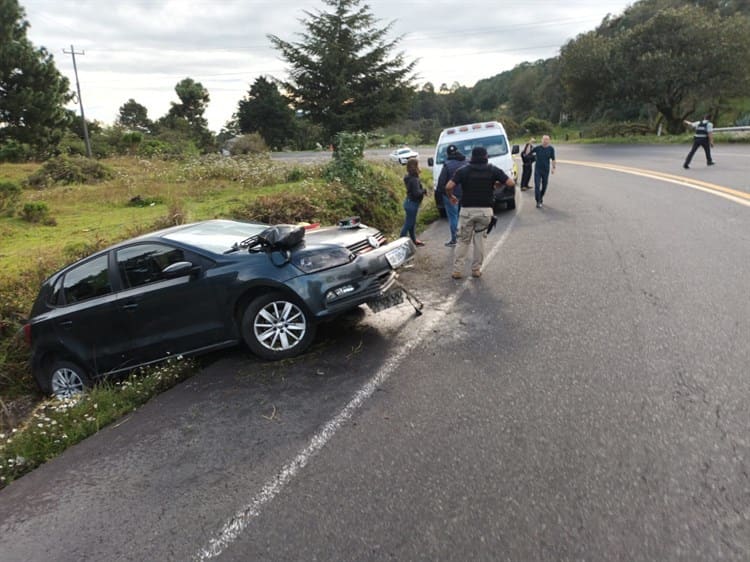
x=234, y=527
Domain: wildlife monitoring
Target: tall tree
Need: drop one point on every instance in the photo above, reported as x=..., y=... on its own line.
x=343, y=73
x=32, y=91
x=266, y=111
x=134, y=116
x=187, y=115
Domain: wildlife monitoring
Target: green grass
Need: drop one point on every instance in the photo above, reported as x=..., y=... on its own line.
x=54, y=426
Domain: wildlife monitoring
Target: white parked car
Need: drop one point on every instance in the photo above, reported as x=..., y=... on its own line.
x=403, y=154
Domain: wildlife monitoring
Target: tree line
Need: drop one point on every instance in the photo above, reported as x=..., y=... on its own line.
x=655, y=64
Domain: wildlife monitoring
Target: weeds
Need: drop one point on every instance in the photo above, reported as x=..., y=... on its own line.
x=57, y=425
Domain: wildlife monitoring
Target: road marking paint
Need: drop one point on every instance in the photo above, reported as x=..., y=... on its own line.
x=234, y=527
x=733, y=195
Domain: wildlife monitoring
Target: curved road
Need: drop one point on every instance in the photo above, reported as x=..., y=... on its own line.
x=586, y=399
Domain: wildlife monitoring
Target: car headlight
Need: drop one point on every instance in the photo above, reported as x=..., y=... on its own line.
x=310, y=262
x=397, y=256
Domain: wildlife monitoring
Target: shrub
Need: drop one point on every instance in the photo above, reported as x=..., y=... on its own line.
x=617, y=129
x=13, y=151
x=512, y=128
x=252, y=170
x=251, y=143
x=151, y=148
x=10, y=194
x=537, y=126
x=66, y=170
x=37, y=212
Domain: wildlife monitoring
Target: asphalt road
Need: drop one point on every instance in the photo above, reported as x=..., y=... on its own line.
x=586, y=399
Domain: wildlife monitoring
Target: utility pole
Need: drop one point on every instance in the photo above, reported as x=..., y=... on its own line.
x=80, y=101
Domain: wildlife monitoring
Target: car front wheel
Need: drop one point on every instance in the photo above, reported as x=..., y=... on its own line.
x=275, y=326
x=64, y=379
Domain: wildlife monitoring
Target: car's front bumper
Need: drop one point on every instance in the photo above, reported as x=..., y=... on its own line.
x=370, y=276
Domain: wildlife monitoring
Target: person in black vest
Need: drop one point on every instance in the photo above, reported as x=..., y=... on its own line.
x=527, y=158
x=704, y=136
x=478, y=180
x=453, y=161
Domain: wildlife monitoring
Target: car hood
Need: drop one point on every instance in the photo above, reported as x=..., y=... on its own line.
x=359, y=240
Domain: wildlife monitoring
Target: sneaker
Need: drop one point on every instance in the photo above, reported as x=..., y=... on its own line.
x=538, y=205
x=711, y=163
x=450, y=243
x=686, y=166
x=456, y=275
x=419, y=243
x=476, y=273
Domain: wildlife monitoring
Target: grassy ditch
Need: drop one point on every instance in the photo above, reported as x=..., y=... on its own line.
x=139, y=196
x=56, y=425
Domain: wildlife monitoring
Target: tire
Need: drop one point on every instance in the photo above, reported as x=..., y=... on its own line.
x=276, y=326
x=63, y=379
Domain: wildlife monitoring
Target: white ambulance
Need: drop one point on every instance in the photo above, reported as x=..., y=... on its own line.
x=491, y=135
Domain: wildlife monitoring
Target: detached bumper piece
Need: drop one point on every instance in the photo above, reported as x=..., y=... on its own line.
x=390, y=299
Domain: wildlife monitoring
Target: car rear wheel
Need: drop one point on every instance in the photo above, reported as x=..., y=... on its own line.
x=276, y=326
x=64, y=379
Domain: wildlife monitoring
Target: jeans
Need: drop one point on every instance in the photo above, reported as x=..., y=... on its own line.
x=410, y=224
x=541, y=179
x=451, y=211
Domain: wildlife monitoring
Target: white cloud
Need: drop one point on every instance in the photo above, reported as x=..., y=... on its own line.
x=141, y=48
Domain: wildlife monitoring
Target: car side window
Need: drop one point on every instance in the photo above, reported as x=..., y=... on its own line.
x=86, y=281
x=144, y=263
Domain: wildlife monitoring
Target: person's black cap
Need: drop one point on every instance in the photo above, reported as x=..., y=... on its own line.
x=478, y=155
x=452, y=150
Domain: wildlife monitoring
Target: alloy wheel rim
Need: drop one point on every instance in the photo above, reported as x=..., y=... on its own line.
x=280, y=326
x=66, y=383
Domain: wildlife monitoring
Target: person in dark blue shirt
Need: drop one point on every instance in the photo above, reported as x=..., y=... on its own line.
x=545, y=157
x=453, y=161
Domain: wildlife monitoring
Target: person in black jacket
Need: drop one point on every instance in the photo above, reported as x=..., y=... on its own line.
x=478, y=181
x=414, y=195
x=453, y=161
x=527, y=158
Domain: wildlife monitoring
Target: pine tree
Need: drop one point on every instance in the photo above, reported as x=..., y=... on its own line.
x=342, y=74
x=32, y=91
x=266, y=111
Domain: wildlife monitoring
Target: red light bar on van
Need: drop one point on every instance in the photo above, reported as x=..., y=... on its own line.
x=463, y=129
x=450, y=131
x=476, y=126
x=489, y=125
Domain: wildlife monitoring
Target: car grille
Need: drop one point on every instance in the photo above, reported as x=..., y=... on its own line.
x=364, y=246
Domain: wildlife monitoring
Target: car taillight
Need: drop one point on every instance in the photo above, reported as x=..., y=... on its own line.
x=27, y=334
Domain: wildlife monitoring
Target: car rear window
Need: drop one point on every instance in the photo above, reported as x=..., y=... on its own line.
x=496, y=145
x=86, y=281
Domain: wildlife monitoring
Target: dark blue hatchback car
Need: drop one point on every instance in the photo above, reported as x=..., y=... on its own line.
x=203, y=286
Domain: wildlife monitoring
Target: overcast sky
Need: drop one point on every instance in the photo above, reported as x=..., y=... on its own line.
x=141, y=49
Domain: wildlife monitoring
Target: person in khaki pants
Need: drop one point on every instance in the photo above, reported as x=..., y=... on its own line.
x=478, y=180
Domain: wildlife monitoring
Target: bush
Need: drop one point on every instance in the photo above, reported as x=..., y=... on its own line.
x=537, y=126
x=10, y=194
x=617, y=129
x=37, y=212
x=512, y=128
x=13, y=151
x=251, y=143
x=252, y=170
x=67, y=170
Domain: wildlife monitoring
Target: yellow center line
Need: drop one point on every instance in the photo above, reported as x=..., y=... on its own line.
x=727, y=193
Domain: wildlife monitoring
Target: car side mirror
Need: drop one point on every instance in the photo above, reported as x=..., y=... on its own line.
x=178, y=269
x=430, y=161
x=515, y=149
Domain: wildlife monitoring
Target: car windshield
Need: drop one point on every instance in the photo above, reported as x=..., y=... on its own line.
x=216, y=236
x=496, y=145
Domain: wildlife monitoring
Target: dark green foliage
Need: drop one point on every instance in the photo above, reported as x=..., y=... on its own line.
x=537, y=126
x=13, y=151
x=33, y=91
x=10, y=195
x=617, y=129
x=134, y=117
x=185, y=119
x=68, y=170
x=266, y=111
x=37, y=212
x=342, y=73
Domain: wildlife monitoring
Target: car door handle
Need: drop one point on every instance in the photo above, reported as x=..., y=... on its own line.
x=130, y=306
x=66, y=324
